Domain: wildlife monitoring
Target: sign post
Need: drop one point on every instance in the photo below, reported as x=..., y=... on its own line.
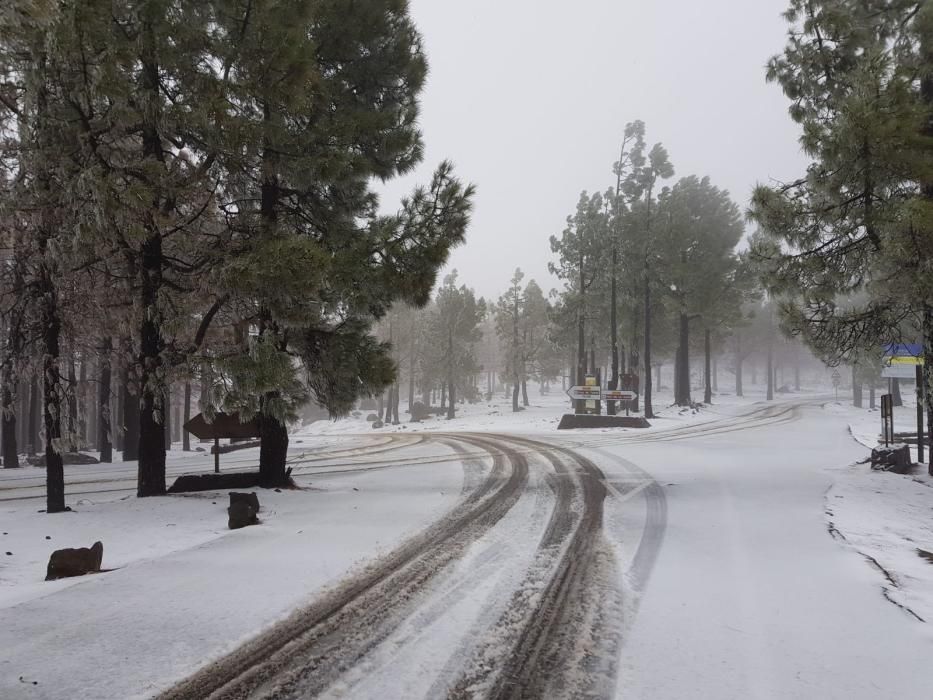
x=887, y=419
x=921, y=392
x=224, y=425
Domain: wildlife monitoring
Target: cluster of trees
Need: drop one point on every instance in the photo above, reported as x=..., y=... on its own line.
x=646, y=263
x=847, y=248
x=187, y=197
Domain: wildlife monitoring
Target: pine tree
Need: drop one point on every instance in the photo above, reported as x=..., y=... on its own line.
x=698, y=229
x=859, y=224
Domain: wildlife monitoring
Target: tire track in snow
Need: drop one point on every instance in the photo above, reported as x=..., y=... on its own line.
x=550, y=640
x=303, y=654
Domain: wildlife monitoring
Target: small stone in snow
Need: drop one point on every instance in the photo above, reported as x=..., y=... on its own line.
x=47, y=537
x=278, y=490
x=355, y=489
x=9, y=554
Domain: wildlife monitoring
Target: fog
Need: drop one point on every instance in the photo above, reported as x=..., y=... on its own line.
x=529, y=99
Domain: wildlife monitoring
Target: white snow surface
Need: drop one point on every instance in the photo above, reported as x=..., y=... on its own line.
x=750, y=595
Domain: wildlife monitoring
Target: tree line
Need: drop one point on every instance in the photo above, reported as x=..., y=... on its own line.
x=187, y=196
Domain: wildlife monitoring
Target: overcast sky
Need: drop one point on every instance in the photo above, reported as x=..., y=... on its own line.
x=529, y=99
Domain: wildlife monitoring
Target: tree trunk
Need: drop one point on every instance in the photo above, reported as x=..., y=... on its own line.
x=614, y=332
x=770, y=395
x=646, y=360
x=708, y=374
x=167, y=415
x=273, y=452
x=515, y=390
x=525, y=401
x=682, y=383
x=657, y=375
x=51, y=384
x=871, y=395
x=580, y=406
x=451, y=385
x=927, y=372
x=34, y=410
x=856, y=388
x=739, y=390
x=130, y=405
x=10, y=454
x=896, y=397
x=103, y=401
x=716, y=373
x=151, y=450
x=84, y=406
x=185, y=435
x=73, y=436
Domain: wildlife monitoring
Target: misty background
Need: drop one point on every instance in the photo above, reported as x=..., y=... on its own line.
x=529, y=99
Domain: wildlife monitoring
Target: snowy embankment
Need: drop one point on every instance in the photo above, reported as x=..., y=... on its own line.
x=184, y=589
x=887, y=517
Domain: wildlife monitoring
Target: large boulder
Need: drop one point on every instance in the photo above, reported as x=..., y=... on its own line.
x=895, y=458
x=242, y=511
x=65, y=563
x=250, y=499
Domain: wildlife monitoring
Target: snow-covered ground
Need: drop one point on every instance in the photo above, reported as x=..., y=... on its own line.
x=733, y=586
x=185, y=589
x=886, y=517
x=751, y=597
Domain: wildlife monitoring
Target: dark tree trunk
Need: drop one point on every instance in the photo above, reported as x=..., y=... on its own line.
x=770, y=395
x=796, y=377
x=927, y=372
x=896, y=397
x=646, y=360
x=411, y=370
x=715, y=374
x=167, y=415
x=52, y=408
x=657, y=375
x=151, y=464
x=130, y=406
x=856, y=388
x=708, y=374
x=525, y=401
x=273, y=453
x=8, y=418
x=10, y=454
x=682, y=383
x=73, y=436
x=614, y=332
x=103, y=401
x=151, y=479
x=580, y=406
x=515, y=390
x=84, y=406
x=34, y=410
x=185, y=435
x=739, y=390
x=451, y=384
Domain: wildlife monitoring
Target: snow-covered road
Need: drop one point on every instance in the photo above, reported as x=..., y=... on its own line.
x=691, y=561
